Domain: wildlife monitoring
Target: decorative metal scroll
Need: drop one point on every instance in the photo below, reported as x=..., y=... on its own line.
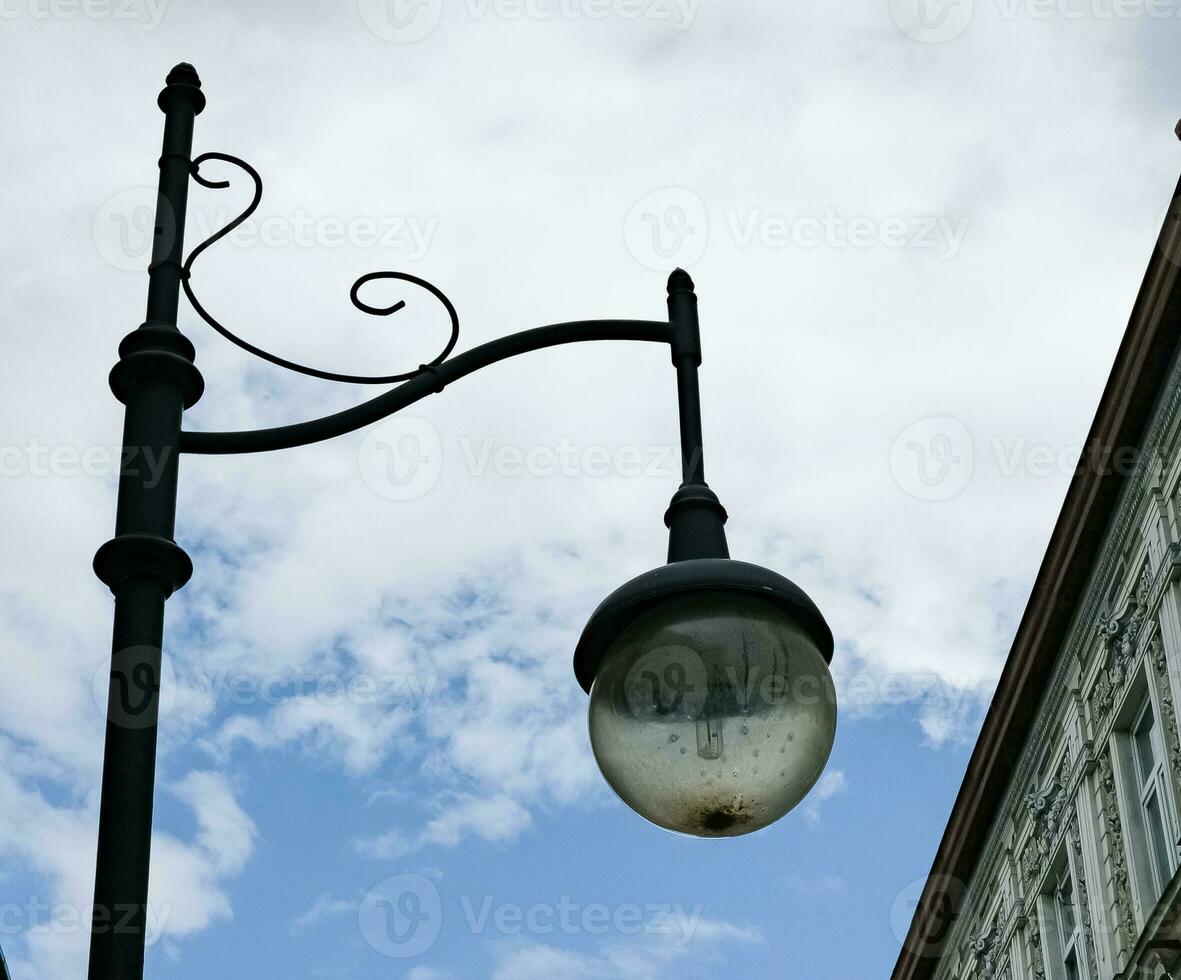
x=186, y=283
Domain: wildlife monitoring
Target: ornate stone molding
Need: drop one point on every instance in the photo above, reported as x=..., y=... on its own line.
x=1084, y=898
x=1115, y=842
x=1037, y=961
x=1119, y=633
x=986, y=948
x=1031, y=862
x=1168, y=710
x=1045, y=805
x=1047, y=811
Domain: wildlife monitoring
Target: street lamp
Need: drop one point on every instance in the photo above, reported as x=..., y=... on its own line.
x=712, y=711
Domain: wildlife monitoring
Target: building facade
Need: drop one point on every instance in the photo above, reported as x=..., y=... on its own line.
x=1061, y=858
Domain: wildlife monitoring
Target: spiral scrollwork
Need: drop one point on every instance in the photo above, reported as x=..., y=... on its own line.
x=354, y=293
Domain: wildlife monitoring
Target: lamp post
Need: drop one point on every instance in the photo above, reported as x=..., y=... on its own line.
x=712, y=711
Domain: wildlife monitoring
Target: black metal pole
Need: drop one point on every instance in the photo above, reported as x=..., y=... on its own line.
x=695, y=518
x=156, y=380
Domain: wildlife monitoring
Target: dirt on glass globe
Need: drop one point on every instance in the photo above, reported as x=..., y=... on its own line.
x=713, y=714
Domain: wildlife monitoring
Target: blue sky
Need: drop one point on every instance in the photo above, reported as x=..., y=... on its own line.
x=916, y=241
x=805, y=899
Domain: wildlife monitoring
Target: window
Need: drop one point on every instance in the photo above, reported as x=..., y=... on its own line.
x=1066, y=918
x=1062, y=924
x=1149, y=774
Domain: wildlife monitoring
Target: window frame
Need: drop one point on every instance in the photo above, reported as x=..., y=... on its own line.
x=1153, y=787
x=1070, y=946
x=1062, y=947
x=1137, y=789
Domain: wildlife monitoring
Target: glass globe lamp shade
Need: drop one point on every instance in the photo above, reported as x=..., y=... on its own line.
x=712, y=710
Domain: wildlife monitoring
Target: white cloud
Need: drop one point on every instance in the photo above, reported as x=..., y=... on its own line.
x=226, y=833
x=822, y=885
x=429, y=973
x=650, y=957
x=831, y=783
x=496, y=819
x=188, y=878
x=325, y=907
x=188, y=885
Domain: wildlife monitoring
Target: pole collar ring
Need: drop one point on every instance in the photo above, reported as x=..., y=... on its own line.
x=138, y=557
x=156, y=365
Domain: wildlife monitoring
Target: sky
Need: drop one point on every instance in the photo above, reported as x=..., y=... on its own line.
x=917, y=228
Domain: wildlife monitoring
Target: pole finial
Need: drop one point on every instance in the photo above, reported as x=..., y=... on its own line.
x=182, y=88
x=183, y=74
x=679, y=279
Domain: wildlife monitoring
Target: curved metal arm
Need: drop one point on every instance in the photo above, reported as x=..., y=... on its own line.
x=431, y=380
